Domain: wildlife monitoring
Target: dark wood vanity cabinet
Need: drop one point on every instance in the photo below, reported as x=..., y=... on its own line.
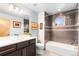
x=32, y=45
x=30, y=50
x=7, y=50
x=15, y=53
x=26, y=48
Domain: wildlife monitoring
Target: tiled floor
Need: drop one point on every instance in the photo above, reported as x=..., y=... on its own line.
x=41, y=52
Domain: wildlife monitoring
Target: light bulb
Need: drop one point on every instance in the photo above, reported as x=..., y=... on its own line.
x=21, y=11
x=59, y=9
x=11, y=7
x=16, y=9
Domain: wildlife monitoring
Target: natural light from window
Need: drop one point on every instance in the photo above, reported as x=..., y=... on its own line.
x=59, y=21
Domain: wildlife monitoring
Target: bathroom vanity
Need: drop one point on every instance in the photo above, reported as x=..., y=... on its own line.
x=18, y=47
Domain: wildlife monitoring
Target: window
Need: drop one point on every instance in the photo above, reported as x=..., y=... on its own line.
x=59, y=21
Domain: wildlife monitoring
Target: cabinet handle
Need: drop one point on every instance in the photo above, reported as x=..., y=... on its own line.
x=32, y=42
x=7, y=51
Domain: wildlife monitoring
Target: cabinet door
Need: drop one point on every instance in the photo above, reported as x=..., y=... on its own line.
x=28, y=51
x=32, y=50
x=19, y=52
x=24, y=52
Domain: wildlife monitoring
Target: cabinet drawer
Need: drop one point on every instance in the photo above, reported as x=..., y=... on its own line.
x=22, y=44
x=32, y=41
x=15, y=53
x=7, y=49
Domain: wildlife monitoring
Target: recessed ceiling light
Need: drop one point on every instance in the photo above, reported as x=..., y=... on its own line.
x=11, y=7
x=21, y=11
x=16, y=9
x=59, y=9
x=34, y=4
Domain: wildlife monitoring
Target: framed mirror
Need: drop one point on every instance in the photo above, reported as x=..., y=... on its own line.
x=26, y=26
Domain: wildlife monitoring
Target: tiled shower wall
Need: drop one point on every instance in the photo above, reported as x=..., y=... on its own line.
x=69, y=37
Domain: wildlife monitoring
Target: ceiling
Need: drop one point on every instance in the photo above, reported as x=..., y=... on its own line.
x=15, y=10
x=51, y=8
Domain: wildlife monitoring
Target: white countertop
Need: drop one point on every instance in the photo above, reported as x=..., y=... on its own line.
x=5, y=41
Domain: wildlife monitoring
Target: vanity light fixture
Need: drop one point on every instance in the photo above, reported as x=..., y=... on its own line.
x=59, y=10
